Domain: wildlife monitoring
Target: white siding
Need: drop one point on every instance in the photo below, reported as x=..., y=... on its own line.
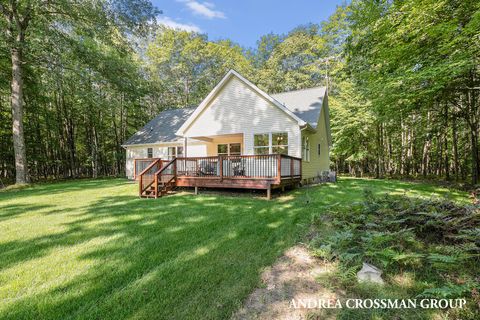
x=160, y=151
x=239, y=109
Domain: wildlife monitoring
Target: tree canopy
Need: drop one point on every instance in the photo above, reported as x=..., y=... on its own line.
x=403, y=80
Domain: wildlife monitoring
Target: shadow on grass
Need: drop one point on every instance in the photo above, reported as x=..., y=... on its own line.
x=184, y=256
x=13, y=210
x=51, y=188
x=176, y=257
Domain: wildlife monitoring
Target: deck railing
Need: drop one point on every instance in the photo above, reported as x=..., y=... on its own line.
x=160, y=176
x=141, y=164
x=146, y=178
x=270, y=166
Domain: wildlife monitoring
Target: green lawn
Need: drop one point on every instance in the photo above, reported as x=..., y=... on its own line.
x=93, y=249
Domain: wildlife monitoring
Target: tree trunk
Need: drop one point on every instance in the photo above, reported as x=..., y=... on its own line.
x=455, y=147
x=21, y=170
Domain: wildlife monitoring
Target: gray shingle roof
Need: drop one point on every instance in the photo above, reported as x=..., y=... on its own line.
x=305, y=104
x=162, y=128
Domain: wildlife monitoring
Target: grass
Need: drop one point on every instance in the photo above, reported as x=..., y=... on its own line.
x=94, y=250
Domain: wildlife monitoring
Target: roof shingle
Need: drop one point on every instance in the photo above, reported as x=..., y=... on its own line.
x=305, y=104
x=162, y=128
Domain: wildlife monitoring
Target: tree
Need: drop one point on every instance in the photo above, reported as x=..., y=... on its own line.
x=45, y=19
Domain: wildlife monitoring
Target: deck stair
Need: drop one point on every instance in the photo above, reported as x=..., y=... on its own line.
x=157, y=179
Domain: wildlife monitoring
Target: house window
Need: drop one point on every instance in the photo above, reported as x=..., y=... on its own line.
x=180, y=152
x=222, y=149
x=261, y=143
x=229, y=149
x=267, y=143
x=305, y=149
x=280, y=142
x=235, y=149
x=319, y=149
x=149, y=152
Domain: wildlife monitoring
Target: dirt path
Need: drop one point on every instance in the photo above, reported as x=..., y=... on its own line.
x=292, y=277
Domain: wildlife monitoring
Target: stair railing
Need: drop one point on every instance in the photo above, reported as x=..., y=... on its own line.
x=166, y=175
x=146, y=177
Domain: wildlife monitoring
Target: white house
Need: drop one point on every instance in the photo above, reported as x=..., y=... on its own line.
x=237, y=118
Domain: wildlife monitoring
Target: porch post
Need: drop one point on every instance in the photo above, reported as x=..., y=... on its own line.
x=185, y=147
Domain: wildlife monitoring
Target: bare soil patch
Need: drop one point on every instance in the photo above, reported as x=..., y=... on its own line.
x=292, y=277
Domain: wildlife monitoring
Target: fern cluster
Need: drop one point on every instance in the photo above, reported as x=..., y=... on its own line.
x=437, y=241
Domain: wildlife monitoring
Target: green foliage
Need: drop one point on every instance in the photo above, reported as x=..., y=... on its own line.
x=430, y=241
x=184, y=66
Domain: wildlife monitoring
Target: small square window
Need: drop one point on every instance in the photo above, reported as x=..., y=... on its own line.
x=222, y=149
x=235, y=149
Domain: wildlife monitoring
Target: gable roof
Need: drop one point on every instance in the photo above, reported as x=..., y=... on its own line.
x=162, y=128
x=305, y=104
x=217, y=89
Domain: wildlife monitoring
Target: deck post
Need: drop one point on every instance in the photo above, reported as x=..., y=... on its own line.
x=279, y=168
x=185, y=147
x=291, y=168
x=196, y=190
x=220, y=160
x=269, y=192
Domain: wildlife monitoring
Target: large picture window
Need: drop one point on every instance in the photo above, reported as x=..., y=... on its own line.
x=261, y=143
x=266, y=143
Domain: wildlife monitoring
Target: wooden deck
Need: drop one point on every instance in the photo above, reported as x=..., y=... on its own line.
x=248, y=172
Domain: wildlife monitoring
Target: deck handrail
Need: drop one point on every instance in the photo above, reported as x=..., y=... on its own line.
x=163, y=167
x=142, y=189
x=241, y=156
x=158, y=175
x=138, y=161
x=267, y=166
x=149, y=167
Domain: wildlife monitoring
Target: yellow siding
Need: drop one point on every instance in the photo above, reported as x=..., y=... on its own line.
x=317, y=163
x=212, y=146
